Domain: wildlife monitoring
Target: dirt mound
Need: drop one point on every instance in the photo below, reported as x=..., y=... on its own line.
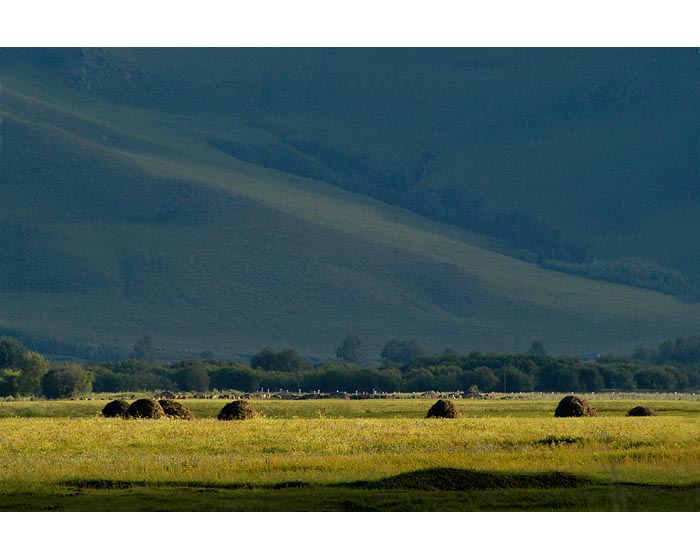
x=641, y=411
x=466, y=479
x=443, y=409
x=237, y=410
x=145, y=408
x=574, y=406
x=115, y=409
x=174, y=409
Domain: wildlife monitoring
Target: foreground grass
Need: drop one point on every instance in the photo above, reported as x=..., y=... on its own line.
x=304, y=459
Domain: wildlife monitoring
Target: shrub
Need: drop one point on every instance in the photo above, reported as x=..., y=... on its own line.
x=174, y=409
x=237, y=410
x=443, y=409
x=574, y=406
x=145, y=408
x=66, y=381
x=115, y=409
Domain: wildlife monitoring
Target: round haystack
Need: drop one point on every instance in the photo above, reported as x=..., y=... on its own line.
x=641, y=411
x=174, y=409
x=574, y=406
x=115, y=409
x=443, y=409
x=145, y=408
x=237, y=410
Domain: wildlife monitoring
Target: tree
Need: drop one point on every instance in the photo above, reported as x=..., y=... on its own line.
x=537, y=349
x=145, y=349
x=590, y=378
x=11, y=353
x=33, y=367
x=350, y=349
x=483, y=377
x=235, y=376
x=286, y=360
x=66, y=381
x=289, y=360
x=193, y=378
x=9, y=382
x=516, y=380
x=265, y=359
x=656, y=378
x=419, y=380
x=402, y=352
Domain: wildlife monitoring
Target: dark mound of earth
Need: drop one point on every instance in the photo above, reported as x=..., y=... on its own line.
x=145, y=408
x=237, y=410
x=115, y=409
x=574, y=406
x=641, y=411
x=443, y=409
x=174, y=409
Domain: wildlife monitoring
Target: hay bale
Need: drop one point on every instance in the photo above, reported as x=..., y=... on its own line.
x=443, y=409
x=641, y=411
x=115, y=409
x=237, y=410
x=145, y=408
x=572, y=405
x=174, y=409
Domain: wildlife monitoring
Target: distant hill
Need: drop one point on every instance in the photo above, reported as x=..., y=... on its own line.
x=231, y=199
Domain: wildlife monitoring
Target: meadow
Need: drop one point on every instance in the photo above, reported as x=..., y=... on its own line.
x=354, y=455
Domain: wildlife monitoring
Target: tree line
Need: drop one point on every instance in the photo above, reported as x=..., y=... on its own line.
x=405, y=367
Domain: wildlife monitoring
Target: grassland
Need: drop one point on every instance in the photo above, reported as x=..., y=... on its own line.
x=354, y=455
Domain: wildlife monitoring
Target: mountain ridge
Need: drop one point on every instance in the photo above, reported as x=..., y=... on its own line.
x=208, y=251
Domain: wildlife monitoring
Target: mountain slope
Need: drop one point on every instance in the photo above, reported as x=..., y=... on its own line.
x=122, y=216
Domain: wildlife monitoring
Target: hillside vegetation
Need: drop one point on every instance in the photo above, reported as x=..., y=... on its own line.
x=229, y=200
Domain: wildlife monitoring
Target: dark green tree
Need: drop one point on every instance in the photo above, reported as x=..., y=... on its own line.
x=590, y=378
x=11, y=353
x=33, y=367
x=289, y=360
x=145, y=349
x=9, y=382
x=66, y=381
x=516, y=380
x=402, y=352
x=193, y=377
x=537, y=349
x=235, y=376
x=286, y=360
x=265, y=359
x=350, y=349
x=483, y=377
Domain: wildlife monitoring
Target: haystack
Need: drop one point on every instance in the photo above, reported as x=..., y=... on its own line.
x=443, y=409
x=641, y=411
x=237, y=410
x=174, y=409
x=115, y=409
x=145, y=408
x=574, y=406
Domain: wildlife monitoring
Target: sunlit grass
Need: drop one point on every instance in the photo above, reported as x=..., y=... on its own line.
x=319, y=442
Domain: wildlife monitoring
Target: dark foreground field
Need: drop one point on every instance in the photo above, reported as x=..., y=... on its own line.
x=373, y=455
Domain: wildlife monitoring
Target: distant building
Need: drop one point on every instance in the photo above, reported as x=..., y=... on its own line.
x=590, y=357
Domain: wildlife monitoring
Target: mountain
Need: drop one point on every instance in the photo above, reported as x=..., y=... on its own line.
x=236, y=198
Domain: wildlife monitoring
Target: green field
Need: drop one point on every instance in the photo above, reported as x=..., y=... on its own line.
x=357, y=455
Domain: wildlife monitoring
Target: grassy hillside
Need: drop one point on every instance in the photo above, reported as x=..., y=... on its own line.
x=125, y=212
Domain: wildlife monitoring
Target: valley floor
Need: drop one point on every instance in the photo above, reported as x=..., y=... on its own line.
x=372, y=455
